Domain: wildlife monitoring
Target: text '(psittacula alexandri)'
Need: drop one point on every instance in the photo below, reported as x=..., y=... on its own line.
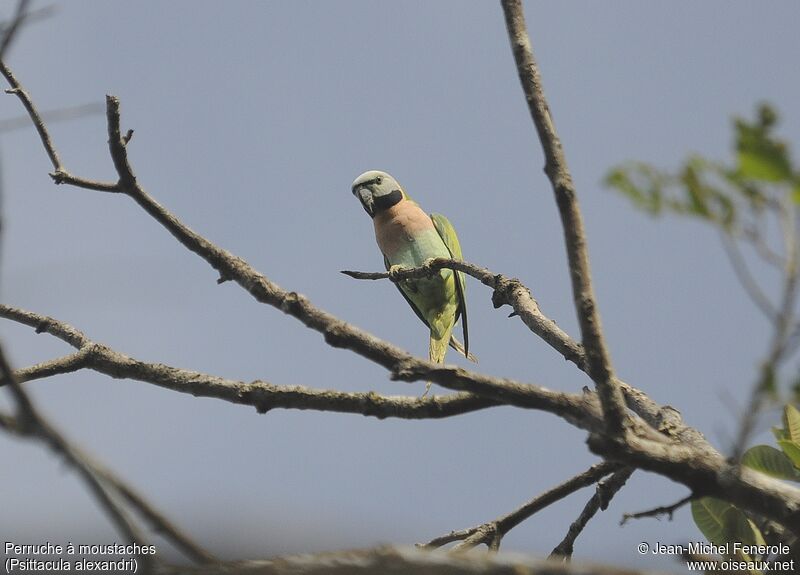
x=407, y=237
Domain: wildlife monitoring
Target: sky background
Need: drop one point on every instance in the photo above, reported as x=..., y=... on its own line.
x=252, y=119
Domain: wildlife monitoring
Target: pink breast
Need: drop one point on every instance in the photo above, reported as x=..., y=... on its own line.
x=399, y=225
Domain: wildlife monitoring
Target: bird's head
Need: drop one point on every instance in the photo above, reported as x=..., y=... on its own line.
x=377, y=191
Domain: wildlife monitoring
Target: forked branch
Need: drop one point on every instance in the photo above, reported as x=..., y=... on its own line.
x=492, y=532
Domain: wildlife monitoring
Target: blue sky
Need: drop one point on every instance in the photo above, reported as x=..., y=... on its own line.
x=251, y=120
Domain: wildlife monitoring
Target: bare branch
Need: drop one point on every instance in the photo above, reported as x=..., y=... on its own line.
x=605, y=491
x=100, y=481
x=23, y=96
x=507, y=291
x=492, y=532
x=260, y=394
x=784, y=324
x=749, y=283
x=65, y=364
x=657, y=512
x=31, y=424
x=597, y=357
x=10, y=30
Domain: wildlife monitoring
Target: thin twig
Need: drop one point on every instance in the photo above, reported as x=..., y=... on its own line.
x=10, y=30
x=44, y=135
x=58, y=366
x=603, y=495
x=492, y=532
x=784, y=323
x=597, y=357
x=59, y=175
x=754, y=236
x=749, y=283
x=657, y=512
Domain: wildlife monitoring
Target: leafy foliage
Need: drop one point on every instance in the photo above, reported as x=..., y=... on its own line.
x=719, y=521
x=762, y=172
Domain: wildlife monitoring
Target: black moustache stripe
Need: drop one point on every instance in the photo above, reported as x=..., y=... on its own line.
x=386, y=201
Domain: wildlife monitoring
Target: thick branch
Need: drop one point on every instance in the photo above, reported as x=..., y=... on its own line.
x=597, y=357
x=705, y=473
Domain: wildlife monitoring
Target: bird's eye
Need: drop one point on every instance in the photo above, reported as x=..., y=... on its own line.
x=379, y=180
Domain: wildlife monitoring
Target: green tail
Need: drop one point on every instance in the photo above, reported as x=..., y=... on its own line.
x=438, y=348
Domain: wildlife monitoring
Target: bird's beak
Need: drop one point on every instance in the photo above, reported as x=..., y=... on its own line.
x=365, y=196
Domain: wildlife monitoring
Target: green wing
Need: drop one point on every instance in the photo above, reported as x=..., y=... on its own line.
x=448, y=234
x=408, y=299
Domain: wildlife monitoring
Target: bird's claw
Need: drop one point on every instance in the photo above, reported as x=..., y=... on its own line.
x=394, y=271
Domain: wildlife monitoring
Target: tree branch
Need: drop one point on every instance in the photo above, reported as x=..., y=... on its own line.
x=30, y=424
x=597, y=357
x=260, y=394
x=492, y=532
x=10, y=30
x=65, y=364
x=746, y=279
x=783, y=322
x=657, y=512
x=604, y=493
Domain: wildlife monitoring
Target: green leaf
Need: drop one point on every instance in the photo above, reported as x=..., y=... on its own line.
x=760, y=155
x=738, y=527
x=709, y=516
x=771, y=461
x=792, y=450
x=791, y=422
x=640, y=183
x=779, y=433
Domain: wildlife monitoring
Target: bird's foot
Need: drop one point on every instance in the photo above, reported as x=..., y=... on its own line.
x=394, y=271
